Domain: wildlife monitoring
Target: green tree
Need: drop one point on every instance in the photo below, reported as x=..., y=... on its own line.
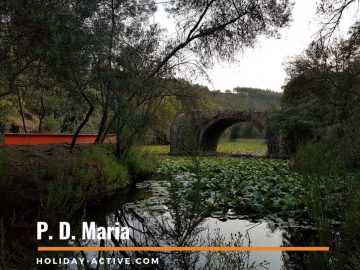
x=322, y=91
x=220, y=28
x=108, y=56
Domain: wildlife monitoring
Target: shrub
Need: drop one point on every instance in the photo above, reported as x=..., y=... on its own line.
x=98, y=172
x=321, y=157
x=7, y=110
x=53, y=189
x=60, y=202
x=50, y=124
x=332, y=185
x=139, y=164
x=336, y=153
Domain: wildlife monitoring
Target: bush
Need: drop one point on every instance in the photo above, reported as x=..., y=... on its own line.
x=98, y=172
x=336, y=153
x=50, y=124
x=53, y=187
x=7, y=110
x=332, y=186
x=321, y=157
x=139, y=164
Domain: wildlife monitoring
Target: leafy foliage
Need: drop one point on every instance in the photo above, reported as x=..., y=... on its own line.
x=6, y=112
x=139, y=164
x=322, y=91
x=72, y=60
x=99, y=173
x=252, y=187
x=320, y=125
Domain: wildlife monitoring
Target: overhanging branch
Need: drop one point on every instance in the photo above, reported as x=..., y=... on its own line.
x=192, y=37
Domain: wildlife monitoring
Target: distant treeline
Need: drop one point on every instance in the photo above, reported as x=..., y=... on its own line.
x=239, y=99
x=61, y=117
x=246, y=98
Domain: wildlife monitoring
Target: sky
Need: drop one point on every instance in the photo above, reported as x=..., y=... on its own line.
x=263, y=65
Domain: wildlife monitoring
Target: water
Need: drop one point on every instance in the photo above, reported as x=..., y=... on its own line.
x=160, y=214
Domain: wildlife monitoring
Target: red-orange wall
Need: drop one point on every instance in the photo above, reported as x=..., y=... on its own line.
x=36, y=139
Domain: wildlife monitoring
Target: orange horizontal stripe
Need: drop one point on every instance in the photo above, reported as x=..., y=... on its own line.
x=185, y=249
x=11, y=139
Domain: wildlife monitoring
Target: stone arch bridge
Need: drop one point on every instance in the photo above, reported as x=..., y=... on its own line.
x=200, y=131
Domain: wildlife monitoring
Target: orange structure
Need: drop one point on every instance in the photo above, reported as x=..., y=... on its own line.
x=39, y=138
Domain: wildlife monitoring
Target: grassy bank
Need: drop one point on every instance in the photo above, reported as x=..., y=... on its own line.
x=256, y=147
x=52, y=184
x=240, y=146
x=331, y=170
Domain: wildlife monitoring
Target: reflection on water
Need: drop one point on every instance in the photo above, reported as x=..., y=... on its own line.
x=175, y=213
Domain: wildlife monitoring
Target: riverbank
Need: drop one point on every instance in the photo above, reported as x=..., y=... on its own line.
x=53, y=183
x=28, y=172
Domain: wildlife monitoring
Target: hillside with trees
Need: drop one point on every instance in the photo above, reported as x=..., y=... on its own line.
x=46, y=112
x=240, y=99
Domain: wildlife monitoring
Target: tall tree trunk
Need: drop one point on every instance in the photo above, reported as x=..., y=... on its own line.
x=40, y=124
x=82, y=124
x=21, y=108
x=119, y=128
x=43, y=112
x=102, y=125
x=101, y=136
x=108, y=125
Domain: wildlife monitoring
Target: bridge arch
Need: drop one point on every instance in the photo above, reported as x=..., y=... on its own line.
x=200, y=131
x=212, y=130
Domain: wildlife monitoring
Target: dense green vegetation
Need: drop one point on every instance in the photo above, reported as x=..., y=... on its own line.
x=91, y=172
x=321, y=96
x=256, y=188
x=245, y=98
x=53, y=184
x=319, y=121
x=265, y=188
x=270, y=190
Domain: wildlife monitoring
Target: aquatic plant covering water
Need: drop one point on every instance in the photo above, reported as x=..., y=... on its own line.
x=252, y=188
